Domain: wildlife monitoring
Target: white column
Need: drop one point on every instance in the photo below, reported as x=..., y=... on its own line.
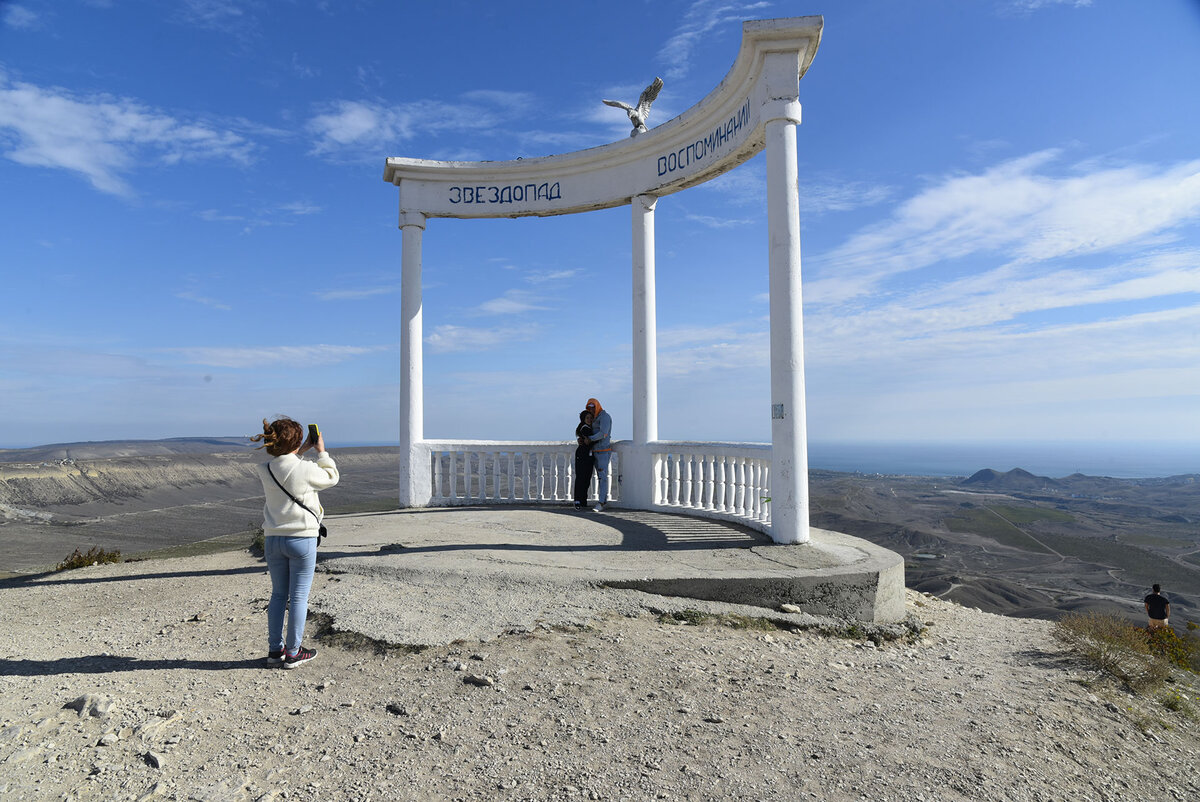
x=645, y=333
x=637, y=483
x=789, y=436
x=414, y=460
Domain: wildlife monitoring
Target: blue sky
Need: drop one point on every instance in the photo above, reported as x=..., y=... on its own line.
x=1000, y=220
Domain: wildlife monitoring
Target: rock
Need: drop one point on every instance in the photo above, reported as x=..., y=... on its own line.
x=790, y=608
x=482, y=680
x=155, y=760
x=91, y=704
x=158, y=790
x=396, y=710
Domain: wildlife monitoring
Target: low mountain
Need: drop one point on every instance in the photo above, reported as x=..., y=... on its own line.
x=109, y=449
x=1016, y=479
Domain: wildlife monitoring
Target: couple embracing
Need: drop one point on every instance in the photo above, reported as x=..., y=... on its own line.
x=594, y=436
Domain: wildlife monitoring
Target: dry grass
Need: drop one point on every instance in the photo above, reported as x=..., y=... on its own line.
x=1113, y=646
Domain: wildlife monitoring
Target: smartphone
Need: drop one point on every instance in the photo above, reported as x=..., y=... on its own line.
x=313, y=433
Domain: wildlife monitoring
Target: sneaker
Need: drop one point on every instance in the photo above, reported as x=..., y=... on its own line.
x=275, y=658
x=598, y=508
x=578, y=505
x=298, y=659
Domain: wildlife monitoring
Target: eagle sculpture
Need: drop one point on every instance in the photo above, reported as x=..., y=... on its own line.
x=638, y=115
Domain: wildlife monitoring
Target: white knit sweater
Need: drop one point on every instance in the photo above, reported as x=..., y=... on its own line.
x=281, y=515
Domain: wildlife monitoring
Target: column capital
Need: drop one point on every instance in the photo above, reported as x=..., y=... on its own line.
x=781, y=109
x=646, y=201
x=412, y=219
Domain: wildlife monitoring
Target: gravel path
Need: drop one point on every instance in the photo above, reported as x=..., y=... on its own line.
x=146, y=681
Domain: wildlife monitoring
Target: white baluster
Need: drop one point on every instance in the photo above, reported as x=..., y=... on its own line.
x=687, y=500
x=657, y=473
x=730, y=484
x=710, y=473
x=719, y=484
x=675, y=479
x=739, y=502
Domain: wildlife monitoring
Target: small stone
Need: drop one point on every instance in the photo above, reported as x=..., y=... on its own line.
x=790, y=608
x=396, y=710
x=155, y=760
x=714, y=719
x=108, y=739
x=300, y=711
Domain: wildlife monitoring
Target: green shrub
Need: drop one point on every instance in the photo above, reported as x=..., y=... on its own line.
x=94, y=556
x=1178, y=703
x=1183, y=652
x=1113, y=646
x=258, y=543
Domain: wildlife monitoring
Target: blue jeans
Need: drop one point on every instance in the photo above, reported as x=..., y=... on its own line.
x=602, y=460
x=290, y=561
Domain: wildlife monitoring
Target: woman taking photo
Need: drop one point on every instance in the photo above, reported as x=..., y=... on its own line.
x=291, y=523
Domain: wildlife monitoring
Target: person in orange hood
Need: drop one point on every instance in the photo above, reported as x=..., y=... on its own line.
x=601, y=439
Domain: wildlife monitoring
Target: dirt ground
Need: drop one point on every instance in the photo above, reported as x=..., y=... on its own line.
x=147, y=681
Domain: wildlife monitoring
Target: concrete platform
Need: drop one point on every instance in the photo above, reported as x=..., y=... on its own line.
x=420, y=576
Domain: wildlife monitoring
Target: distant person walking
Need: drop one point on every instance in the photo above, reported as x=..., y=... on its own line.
x=1158, y=609
x=292, y=515
x=584, y=461
x=601, y=440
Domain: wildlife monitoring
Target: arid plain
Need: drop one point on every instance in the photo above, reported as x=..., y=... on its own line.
x=1010, y=543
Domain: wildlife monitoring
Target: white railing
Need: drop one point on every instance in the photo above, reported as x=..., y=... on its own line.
x=714, y=480
x=507, y=472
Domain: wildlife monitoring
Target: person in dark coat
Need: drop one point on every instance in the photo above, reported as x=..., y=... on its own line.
x=584, y=462
x=1158, y=609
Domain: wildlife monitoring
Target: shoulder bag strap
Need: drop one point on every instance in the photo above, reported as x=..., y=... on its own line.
x=289, y=494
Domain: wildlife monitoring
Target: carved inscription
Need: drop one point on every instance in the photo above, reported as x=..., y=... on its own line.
x=513, y=193
x=703, y=148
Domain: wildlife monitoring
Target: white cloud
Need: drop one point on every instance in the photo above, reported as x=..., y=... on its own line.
x=543, y=276
x=701, y=17
x=1016, y=212
x=298, y=356
x=1026, y=6
x=715, y=222
x=203, y=301
x=510, y=303
x=451, y=338
x=103, y=137
x=819, y=194
x=356, y=126
x=218, y=14
x=357, y=294
x=21, y=18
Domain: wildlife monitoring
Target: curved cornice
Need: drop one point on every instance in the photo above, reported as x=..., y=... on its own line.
x=720, y=132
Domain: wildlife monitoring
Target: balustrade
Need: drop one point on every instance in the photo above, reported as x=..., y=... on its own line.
x=730, y=481
x=717, y=480
x=506, y=472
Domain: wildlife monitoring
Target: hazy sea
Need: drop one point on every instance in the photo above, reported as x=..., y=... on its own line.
x=1055, y=460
